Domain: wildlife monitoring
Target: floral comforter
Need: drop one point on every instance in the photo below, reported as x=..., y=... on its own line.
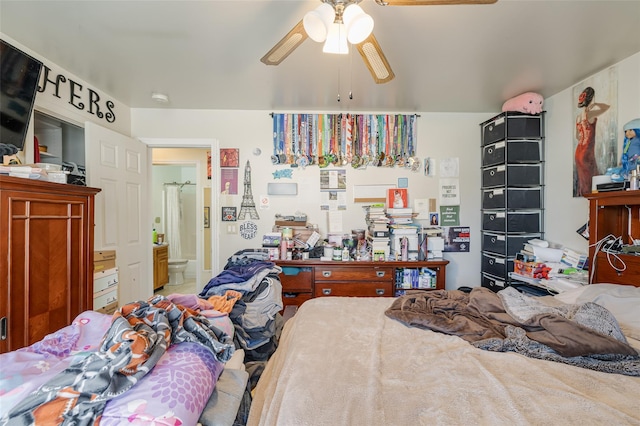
x=173, y=392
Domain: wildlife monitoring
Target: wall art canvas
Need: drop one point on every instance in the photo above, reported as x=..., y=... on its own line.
x=595, y=114
x=229, y=157
x=229, y=181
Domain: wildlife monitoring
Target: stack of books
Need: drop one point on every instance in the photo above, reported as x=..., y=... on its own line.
x=397, y=233
x=400, y=216
x=377, y=231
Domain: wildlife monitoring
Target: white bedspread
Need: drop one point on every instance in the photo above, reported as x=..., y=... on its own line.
x=341, y=361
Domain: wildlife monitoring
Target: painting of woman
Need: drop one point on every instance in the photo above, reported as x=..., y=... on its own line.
x=586, y=165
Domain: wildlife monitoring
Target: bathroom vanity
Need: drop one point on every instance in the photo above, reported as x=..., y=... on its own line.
x=160, y=265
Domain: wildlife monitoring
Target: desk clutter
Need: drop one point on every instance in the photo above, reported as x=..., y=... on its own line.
x=389, y=234
x=542, y=268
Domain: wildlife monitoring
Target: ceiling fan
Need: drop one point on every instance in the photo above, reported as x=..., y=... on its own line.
x=326, y=23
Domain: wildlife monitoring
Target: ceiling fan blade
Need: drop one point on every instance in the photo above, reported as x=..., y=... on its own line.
x=430, y=2
x=375, y=60
x=284, y=47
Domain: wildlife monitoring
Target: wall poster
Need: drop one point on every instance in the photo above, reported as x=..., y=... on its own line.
x=229, y=157
x=595, y=148
x=229, y=181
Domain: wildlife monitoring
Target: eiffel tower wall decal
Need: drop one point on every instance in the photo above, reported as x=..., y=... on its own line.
x=247, y=206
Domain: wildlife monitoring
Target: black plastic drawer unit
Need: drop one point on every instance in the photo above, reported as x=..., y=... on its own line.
x=521, y=151
x=512, y=125
x=494, y=283
x=512, y=198
x=522, y=221
x=512, y=175
x=505, y=245
x=498, y=266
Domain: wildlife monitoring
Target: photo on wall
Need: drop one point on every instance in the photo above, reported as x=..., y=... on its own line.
x=229, y=157
x=595, y=111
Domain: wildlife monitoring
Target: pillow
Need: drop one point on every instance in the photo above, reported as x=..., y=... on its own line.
x=622, y=301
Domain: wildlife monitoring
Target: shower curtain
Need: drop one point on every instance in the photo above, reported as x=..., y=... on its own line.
x=174, y=212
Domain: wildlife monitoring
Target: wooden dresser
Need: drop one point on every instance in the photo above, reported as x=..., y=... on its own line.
x=46, y=258
x=614, y=213
x=305, y=279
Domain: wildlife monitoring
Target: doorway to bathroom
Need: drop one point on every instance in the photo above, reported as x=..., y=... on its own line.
x=180, y=195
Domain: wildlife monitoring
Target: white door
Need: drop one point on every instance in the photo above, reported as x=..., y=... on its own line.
x=118, y=165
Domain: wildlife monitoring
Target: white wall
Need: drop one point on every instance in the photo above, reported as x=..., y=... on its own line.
x=565, y=214
x=439, y=136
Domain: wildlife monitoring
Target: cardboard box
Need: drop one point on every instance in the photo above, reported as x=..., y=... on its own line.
x=105, y=279
x=105, y=297
x=103, y=260
x=528, y=269
x=290, y=223
x=108, y=309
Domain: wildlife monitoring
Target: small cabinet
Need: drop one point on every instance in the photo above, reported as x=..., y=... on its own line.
x=616, y=214
x=160, y=266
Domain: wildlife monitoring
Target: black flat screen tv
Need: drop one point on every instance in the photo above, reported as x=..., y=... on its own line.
x=19, y=77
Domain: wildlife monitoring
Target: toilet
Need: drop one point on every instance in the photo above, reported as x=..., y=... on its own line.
x=176, y=271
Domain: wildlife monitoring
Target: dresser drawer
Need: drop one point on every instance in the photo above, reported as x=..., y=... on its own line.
x=354, y=289
x=295, y=299
x=296, y=279
x=606, y=274
x=353, y=273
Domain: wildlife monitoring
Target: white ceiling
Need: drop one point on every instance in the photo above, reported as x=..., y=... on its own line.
x=205, y=54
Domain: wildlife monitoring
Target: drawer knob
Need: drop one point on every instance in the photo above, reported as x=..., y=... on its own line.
x=326, y=291
x=326, y=274
x=490, y=151
x=492, y=173
x=380, y=274
x=379, y=291
x=493, y=240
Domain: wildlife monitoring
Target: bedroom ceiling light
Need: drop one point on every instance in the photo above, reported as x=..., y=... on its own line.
x=334, y=24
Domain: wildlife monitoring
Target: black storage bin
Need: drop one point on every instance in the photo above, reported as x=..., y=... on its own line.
x=493, y=283
x=498, y=266
x=510, y=125
x=512, y=198
x=520, y=151
x=512, y=175
x=524, y=151
x=505, y=245
x=522, y=221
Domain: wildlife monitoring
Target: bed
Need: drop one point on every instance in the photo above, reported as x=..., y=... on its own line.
x=353, y=361
x=200, y=380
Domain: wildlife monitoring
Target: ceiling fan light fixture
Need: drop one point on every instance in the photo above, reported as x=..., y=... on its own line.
x=358, y=24
x=336, y=40
x=318, y=21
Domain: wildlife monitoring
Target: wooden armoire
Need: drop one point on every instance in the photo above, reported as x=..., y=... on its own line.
x=46, y=257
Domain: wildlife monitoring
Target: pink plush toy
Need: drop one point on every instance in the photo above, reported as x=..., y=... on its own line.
x=528, y=103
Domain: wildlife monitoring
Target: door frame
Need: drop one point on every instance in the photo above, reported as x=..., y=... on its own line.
x=213, y=145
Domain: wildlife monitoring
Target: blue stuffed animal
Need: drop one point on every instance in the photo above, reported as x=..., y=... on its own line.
x=631, y=148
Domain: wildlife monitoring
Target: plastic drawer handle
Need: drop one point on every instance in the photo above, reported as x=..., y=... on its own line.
x=379, y=291
x=290, y=295
x=326, y=274
x=492, y=173
x=490, y=151
x=491, y=195
x=380, y=274
x=493, y=240
x=326, y=291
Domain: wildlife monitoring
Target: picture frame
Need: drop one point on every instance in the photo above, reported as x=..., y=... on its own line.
x=229, y=157
x=207, y=217
x=229, y=214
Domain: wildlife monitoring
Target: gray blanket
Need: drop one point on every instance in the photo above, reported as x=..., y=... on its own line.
x=585, y=335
